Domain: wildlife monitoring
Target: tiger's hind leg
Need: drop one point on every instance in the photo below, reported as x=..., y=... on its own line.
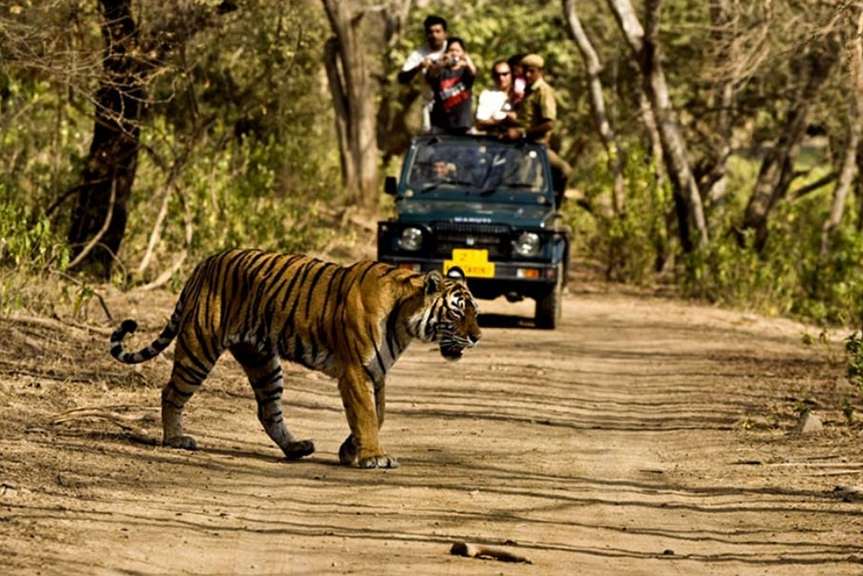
x=186, y=377
x=265, y=376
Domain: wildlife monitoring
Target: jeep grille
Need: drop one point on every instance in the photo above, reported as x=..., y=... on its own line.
x=492, y=237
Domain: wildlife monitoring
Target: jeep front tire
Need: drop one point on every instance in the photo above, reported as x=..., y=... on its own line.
x=549, y=306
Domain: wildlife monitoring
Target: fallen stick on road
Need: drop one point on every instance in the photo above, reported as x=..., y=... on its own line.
x=479, y=551
x=131, y=423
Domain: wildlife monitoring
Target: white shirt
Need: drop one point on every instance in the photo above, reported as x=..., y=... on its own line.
x=493, y=104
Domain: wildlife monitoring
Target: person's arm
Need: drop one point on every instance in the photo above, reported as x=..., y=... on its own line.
x=511, y=119
x=531, y=133
x=434, y=67
x=488, y=124
x=539, y=131
x=468, y=63
x=407, y=76
x=414, y=63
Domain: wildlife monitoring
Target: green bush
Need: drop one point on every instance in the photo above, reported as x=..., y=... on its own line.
x=29, y=247
x=28, y=243
x=629, y=247
x=788, y=277
x=248, y=194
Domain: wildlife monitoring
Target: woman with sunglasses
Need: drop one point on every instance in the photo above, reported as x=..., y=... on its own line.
x=494, y=109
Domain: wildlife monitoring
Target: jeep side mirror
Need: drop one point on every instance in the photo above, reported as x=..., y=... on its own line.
x=391, y=185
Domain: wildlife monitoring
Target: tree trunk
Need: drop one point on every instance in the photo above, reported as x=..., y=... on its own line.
x=113, y=156
x=98, y=220
x=849, y=169
x=715, y=181
x=341, y=110
x=724, y=33
x=396, y=101
x=356, y=39
x=661, y=230
x=597, y=105
x=645, y=48
x=843, y=186
x=858, y=189
x=776, y=173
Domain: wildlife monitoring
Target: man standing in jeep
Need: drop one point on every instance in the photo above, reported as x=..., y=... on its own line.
x=536, y=115
x=421, y=59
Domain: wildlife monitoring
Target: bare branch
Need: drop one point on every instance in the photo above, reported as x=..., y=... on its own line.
x=815, y=186
x=156, y=233
x=106, y=224
x=166, y=275
x=597, y=102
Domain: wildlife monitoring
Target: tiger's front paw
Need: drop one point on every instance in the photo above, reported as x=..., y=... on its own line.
x=183, y=442
x=381, y=461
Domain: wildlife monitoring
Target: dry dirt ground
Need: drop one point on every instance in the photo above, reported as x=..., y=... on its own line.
x=645, y=436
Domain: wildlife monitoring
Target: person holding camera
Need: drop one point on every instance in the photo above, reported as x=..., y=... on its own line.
x=420, y=60
x=451, y=78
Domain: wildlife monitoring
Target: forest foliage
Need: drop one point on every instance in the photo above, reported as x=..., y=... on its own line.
x=238, y=140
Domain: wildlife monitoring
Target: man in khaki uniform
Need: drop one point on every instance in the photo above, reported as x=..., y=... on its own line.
x=535, y=117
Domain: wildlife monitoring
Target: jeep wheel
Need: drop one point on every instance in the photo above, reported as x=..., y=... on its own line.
x=549, y=307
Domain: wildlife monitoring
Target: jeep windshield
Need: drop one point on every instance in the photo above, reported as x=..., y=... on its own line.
x=475, y=166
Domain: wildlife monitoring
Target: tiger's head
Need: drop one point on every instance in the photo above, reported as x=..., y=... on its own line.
x=448, y=315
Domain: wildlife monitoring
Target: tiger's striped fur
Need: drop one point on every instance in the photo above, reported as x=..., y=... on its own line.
x=350, y=322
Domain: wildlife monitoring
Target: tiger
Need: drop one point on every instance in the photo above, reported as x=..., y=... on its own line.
x=350, y=322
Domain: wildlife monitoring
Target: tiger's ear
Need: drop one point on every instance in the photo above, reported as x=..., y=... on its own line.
x=457, y=274
x=433, y=282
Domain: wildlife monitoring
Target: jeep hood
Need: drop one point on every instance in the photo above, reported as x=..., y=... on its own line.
x=522, y=215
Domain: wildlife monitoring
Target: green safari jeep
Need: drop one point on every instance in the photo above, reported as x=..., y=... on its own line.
x=487, y=207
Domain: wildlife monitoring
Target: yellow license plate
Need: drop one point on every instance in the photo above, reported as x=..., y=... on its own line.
x=474, y=263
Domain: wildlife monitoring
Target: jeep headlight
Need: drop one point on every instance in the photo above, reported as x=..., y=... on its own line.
x=527, y=244
x=411, y=239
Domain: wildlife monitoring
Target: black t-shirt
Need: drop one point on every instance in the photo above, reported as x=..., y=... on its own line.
x=452, y=100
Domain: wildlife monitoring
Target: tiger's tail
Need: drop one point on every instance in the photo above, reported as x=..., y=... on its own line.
x=156, y=347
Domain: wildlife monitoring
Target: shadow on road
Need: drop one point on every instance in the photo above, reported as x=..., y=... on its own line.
x=505, y=321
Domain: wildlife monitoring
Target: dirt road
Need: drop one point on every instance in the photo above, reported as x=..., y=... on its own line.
x=646, y=436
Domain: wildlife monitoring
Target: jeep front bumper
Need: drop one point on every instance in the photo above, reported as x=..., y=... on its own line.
x=527, y=279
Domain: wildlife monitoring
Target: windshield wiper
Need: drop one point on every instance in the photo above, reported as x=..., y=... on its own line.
x=489, y=191
x=429, y=186
x=529, y=185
